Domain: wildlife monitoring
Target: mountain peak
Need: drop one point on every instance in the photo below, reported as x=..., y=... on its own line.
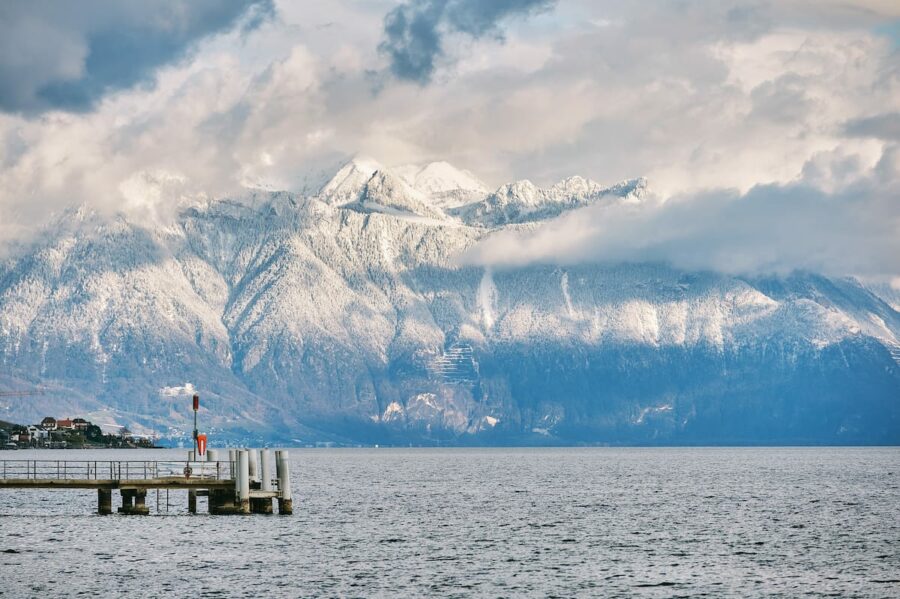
x=445, y=185
x=349, y=180
x=388, y=193
x=443, y=177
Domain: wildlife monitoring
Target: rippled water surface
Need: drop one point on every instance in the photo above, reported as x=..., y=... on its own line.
x=486, y=522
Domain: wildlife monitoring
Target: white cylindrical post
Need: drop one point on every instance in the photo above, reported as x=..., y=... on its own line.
x=244, y=480
x=265, y=463
x=232, y=466
x=283, y=466
x=253, y=455
x=212, y=455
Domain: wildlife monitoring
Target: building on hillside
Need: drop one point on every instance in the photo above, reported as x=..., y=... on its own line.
x=65, y=424
x=49, y=423
x=80, y=424
x=37, y=435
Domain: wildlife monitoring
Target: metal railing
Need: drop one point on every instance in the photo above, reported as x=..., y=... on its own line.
x=113, y=470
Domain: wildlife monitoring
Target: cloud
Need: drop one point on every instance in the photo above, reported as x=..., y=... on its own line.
x=414, y=32
x=881, y=126
x=67, y=56
x=770, y=229
x=695, y=95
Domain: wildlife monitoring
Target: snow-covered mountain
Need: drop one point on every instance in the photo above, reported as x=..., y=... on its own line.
x=341, y=315
x=445, y=185
x=523, y=201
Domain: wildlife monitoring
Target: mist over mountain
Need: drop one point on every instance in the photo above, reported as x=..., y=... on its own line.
x=344, y=315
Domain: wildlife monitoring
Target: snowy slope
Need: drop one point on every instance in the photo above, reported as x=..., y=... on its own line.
x=523, y=201
x=445, y=185
x=342, y=316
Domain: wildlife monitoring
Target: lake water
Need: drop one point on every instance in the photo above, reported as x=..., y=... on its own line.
x=486, y=522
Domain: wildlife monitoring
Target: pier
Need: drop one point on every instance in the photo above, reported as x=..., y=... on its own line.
x=242, y=484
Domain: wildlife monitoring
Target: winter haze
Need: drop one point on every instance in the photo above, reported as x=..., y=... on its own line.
x=453, y=221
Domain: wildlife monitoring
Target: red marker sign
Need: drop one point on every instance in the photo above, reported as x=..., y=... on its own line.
x=201, y=444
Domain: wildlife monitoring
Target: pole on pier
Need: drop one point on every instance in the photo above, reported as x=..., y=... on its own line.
x=262, y=505
x=244, y=481
x=253, y=456
x=196, y=432
x=104, y=501
x=265, y=462
x=283, y=469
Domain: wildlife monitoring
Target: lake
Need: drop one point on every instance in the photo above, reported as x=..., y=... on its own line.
x=645, y=522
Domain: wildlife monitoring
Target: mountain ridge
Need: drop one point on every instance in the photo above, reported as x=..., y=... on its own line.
x=341, y=316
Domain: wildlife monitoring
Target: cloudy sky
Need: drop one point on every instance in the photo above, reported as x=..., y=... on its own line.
x=770, y=129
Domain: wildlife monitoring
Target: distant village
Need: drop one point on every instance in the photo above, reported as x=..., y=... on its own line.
x=67, y=433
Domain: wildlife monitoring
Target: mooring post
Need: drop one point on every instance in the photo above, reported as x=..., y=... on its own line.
x=262, y=505
x=104, y=501
x=192, y=501
x=283, y=467
x=265, y=461
x=212, y=455
x=244, y=480
x=253, y=456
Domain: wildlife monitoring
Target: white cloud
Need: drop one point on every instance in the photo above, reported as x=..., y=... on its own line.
x=854, y=229
x=699, y=95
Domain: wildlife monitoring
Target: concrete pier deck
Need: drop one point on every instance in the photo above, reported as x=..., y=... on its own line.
x=228, y=485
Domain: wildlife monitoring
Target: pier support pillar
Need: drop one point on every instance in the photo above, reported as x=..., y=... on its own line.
x=283, y=470
x=261, y=505
x=134, y=501
x=285, y=506
x=221, y=501
x=104, y=501
x=253, y=465
x=244, y=481
x=127, y=501
x=192, y=501
x=140, y=503
x=265, y=469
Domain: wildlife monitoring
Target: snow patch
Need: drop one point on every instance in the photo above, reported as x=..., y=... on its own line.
x=487, y=295
x=652, y=410
x=393, y=412
x=564, y=284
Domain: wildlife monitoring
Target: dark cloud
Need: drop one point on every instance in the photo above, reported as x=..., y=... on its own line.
x=882, y=126
x=413, y=32
x=69, y=55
